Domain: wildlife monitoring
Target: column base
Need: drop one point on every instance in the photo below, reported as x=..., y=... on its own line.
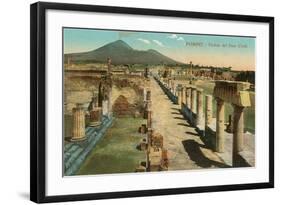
x=78, y=139
x=95, y=124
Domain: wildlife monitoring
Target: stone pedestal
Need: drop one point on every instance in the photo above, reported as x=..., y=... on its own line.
x=95, y=117
x=238, y=132
x=220, y=126
x=78, y=132
x=143, y=129
x=188, y=97
x=193, y=99
x=208, y=110
x=199, y=119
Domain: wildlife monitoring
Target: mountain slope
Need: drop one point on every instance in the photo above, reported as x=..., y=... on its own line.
x=121, y=53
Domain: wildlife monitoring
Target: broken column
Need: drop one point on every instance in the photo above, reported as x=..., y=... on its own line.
x=95, y=117
x=199, y=119
x=208, y=110
x=78, y=132
x=220, y=126
x=193, y=99
x=148, y=104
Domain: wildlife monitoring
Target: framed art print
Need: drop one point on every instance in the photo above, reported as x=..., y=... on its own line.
x=129, y=102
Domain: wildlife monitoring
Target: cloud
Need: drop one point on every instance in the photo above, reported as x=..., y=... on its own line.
x=173, y=36
x=180, y=39
x=144, y=40
x=176, y=37
x=158, y=43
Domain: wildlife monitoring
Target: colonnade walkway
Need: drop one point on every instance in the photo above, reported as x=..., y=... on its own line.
x=185, y=148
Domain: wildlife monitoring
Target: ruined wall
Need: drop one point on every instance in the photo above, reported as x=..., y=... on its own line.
x=122, y=107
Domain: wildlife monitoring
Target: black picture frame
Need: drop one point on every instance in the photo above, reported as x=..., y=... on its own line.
x=38, y=100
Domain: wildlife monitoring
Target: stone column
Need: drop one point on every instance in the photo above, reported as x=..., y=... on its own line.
x=238, y=132
x=179, y=95
x=188, y=97
x=169, y=83
x=176, y=90
x=148, y=95
x=149, y=138
x=149, y=118
x=144, y=94
x=148, y=104
x=220, y=126
x=193, y=99
x=109, y=65
x=199, y=119
x=78, y=132
x=184, y=95
x=109, y=103
x=105, y=107
x=208, y=110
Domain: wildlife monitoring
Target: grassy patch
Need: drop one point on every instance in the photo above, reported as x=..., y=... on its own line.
x=116, y=152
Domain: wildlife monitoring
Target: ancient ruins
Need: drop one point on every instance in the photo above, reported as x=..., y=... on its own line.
x=190, y=99
x=180, y=131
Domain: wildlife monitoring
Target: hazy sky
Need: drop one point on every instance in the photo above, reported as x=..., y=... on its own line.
x=237, y=52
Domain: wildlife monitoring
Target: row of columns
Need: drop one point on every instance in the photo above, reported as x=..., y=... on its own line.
x=192, y=97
